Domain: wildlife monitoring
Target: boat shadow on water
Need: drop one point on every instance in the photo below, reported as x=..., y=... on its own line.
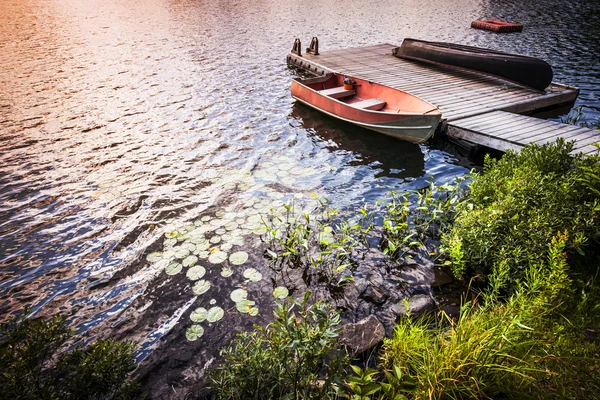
x=392, y=157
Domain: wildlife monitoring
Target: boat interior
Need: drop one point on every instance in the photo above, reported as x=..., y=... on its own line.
x=366, y=95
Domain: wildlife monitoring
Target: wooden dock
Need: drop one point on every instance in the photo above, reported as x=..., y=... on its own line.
x=476, y=107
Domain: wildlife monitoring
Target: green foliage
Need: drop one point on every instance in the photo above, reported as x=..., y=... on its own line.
x=32, y=365
x=413, y=217
x=519, y=203
x=505, y=349
x=317, y=243
x=391, y=385
x=285, y=359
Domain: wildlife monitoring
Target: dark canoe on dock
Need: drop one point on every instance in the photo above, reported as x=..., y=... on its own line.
x=528, y=71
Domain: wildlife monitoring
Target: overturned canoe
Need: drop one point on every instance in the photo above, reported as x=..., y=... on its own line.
x=370, y=105
x=528, y=71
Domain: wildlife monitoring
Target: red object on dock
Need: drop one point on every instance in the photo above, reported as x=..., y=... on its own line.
x=497, y=26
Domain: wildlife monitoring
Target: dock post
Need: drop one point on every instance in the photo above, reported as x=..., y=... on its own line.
x=314, y=46
x=297, y=49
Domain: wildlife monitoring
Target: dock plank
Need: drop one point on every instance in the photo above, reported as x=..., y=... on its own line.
x=503, y=130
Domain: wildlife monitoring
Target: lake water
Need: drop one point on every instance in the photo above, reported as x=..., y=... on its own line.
x=124, y=120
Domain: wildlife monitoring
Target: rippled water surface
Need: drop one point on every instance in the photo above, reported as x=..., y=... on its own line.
x=124, y=120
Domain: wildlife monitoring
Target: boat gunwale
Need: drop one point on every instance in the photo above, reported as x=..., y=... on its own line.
x=435, y=110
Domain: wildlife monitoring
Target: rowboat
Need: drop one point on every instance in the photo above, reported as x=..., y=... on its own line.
x=528, y=71
x=369, y=105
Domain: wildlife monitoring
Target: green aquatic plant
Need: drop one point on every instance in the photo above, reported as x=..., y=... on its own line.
x=294, y=357
x=35, y=363
x=320, y=243
x=413, y=217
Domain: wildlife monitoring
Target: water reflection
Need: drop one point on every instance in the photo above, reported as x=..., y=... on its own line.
x=390, y=157
x=117, y=120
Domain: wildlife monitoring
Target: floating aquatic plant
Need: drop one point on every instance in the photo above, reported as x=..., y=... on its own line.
x=280, y=292
x=189, y=261
x=199, y=314
x=226, y=272
x=244, y=306
x=252, y=274
x=154, y=257
x=201, y=286
x=174, y=268
x=214, y=314
x=181, y=252
x=196, y=272
x=217, y=257
x=238, y=258
x=253, y=311
x=194, y=332
x=238, y=295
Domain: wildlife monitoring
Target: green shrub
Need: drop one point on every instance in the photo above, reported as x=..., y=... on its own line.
x=32, y=365
x=285, y=359
x=519, y=203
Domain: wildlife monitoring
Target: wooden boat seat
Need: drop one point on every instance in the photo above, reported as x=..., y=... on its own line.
x=337, y=92
x=374, y=104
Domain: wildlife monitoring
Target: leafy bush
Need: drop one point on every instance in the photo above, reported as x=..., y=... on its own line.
x=285, y=359
x=32, y=365
x=519, y=203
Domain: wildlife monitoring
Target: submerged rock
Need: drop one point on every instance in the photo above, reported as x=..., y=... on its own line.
x=418, y=305
x=363, y=335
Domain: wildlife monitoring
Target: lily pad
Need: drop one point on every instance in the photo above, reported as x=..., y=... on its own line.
x=215, y=314
x=220, y=213
x=256, y=218
x=217, y=222
x=215, y=239
x=199, y=314
x=238, y=258
x=201, y=286
x=181, y=252
x=217, y=257
x=196, y=272
x=244, y=305
x=189, y=261
x=252, y=274
x=190, y=246
x=238, y=295
x=173, y=268
x=221, y=231
x=280, y=292
x=203, y=246
x=154, y=257
x=226, y=246
x=253, y=311
x=206, y=218
x=203, y=254
x=170, y=242
x=231, y=225
x=226, y=272
x=194, y=332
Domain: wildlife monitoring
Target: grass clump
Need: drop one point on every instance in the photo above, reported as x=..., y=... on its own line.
x=529, y=346
x=297, y=356
x=33, y=364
